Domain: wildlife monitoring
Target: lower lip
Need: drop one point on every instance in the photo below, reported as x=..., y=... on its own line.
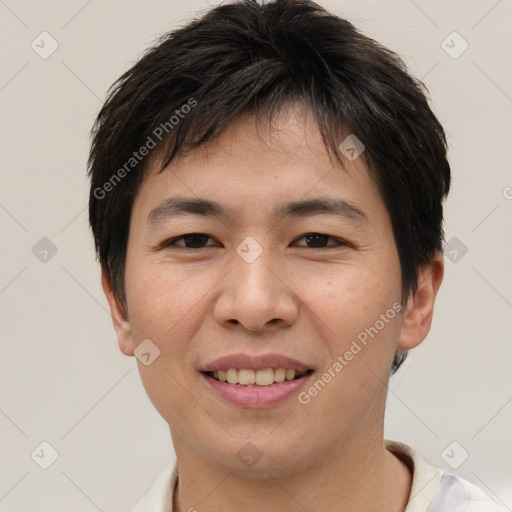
x=257, y=396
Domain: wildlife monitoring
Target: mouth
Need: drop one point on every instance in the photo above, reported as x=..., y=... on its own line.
x=256, y=381
x=255, y=378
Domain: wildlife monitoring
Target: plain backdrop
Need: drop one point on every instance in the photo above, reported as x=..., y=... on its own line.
x=63, y=380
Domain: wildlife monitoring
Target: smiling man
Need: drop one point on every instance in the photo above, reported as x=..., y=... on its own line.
x=266, y=201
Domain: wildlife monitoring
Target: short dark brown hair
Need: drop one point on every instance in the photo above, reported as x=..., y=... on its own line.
x=246, y=57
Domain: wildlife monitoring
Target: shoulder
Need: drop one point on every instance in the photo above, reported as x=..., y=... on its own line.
x=159, y=497
x=436, y=490
x=458, y=495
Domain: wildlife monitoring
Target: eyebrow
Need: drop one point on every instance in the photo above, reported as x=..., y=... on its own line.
x=176, y=206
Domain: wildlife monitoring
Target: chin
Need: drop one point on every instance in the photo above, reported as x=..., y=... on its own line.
x=262, y=458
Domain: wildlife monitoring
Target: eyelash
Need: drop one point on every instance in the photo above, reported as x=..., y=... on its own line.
x=172, y=242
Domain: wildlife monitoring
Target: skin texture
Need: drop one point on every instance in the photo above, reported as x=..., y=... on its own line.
x=199, y=304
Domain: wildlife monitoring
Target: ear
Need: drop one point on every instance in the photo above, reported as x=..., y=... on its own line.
x=119, y=318
x=417, y=317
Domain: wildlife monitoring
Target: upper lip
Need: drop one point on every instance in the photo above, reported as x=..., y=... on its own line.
x=253, y=362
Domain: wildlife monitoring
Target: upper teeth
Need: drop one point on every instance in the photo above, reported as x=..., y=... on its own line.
x=248, y=377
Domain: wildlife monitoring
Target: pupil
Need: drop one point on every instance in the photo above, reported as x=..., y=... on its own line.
x=309, y=238
x=196, y=240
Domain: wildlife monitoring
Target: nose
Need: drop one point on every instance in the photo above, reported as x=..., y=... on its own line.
x=256, y=296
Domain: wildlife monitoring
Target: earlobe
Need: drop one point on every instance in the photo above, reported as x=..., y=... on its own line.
x=119, y=318
x=418, y=313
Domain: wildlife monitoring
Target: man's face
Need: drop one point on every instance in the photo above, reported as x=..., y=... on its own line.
x=251, y=284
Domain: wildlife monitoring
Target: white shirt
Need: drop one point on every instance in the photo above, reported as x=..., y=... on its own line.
x=433, y=489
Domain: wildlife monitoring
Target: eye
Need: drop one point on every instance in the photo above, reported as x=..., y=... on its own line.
x=198, y=241
x=192, y=241
x=319, y=240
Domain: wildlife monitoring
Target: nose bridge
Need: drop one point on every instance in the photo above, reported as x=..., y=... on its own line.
x=254, y=294
x=254, y=279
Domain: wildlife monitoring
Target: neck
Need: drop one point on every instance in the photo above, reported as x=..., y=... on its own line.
x=361, y=476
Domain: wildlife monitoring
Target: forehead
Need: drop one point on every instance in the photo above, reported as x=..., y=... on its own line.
x=250, y=166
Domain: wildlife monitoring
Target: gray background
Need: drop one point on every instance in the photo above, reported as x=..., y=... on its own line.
x=62, y=377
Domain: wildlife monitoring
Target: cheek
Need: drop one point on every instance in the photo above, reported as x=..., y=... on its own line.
x=354, y=298
x=159, y=299
x=165, y=307
x=169, y=305
x=356, y=314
